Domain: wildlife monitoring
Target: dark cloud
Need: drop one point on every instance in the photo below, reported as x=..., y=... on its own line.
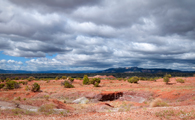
x=52, y=6
x=44, y=49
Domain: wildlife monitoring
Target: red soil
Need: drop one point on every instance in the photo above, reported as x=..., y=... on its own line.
x=179, y=96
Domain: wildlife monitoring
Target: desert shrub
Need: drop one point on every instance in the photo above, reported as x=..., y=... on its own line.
x=91, y=81
x=71, y=79
x=134, y=79
x=85, y=80
x=20, y=82
x=78, y=78
x=48, y=81
x=2, y=80
x=166, y=79
x=16, y=78
x=64, y=77
x=27, y=88
x=158, y=103
x=35, y=87
x=152, y=79
x=12, y=85
x=168, y=75
x=2, y=85
x=180, y=80
x=31, y=78
x=18, y=98
x=23, y=82
x=96, y=85
x=7, y=79
x=142, y=78
x=67, y=84
x=120, y=79
x=95, y=81
x=57, y=78
x=47, y=109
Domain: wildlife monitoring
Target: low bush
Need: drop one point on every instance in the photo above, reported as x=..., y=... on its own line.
x=64, y=77
x=71, y=79
x=7, y=79
x=48, y=81
x=23, y=82
x=168, y=75
x=78, y=78
x=57, y=78
x=96, y=85
x=16, y=78
x=179, y=80
x=18, y=98
x=142, y=78
x=166, y=79
x=31, y=78
x=35, y=87
x=68, y=84
x=119, y=79
x=134, y=79
x=2, y=85
x=27, y=88
x=85, y=80
x=12, y=85
x=95, y=82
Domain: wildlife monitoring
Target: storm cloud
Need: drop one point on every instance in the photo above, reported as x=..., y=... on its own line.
x=98, y=34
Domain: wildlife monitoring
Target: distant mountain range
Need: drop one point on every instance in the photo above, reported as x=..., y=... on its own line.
x=110, y=70
x=139, y=70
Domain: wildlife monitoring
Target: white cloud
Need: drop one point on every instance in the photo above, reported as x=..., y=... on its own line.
x=97, y=34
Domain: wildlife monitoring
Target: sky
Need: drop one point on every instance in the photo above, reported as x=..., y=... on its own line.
x=37, y=35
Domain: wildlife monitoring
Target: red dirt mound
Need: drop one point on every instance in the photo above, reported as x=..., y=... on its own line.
x=61, y=105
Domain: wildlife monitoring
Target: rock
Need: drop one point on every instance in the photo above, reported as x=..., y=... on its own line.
x=91, y=95
x=105, y=96
x=82, y=100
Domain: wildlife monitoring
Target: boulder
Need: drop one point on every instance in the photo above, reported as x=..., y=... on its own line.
x=82, y=100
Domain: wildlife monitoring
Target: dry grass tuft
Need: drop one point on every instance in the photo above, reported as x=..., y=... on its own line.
x=158, y=103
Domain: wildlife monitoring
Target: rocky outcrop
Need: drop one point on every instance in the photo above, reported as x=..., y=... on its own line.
x=104, y=96
x=109, y=96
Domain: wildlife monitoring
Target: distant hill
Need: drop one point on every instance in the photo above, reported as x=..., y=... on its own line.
x=137, y=70
x=110, y=70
